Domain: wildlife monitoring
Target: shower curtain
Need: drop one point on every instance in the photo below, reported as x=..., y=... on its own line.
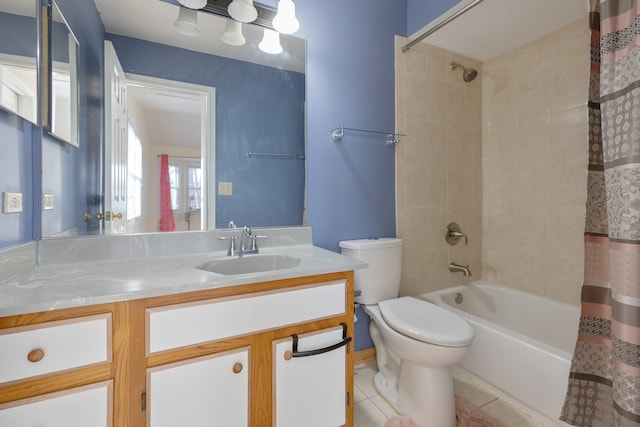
x=604, y=380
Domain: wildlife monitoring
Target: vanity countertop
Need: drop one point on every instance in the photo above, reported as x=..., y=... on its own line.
x=65, y=281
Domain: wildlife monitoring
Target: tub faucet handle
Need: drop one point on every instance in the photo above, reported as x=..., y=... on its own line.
x=453, y=233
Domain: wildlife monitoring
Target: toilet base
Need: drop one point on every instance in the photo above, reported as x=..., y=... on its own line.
x=426, y=395
x=386, y=389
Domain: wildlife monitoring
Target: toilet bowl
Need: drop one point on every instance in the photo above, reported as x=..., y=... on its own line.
x=414, y=362
x=416, y=342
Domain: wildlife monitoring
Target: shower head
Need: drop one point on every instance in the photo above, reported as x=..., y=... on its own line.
x=468, y=74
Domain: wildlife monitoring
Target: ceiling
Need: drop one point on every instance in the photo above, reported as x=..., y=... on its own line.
x=494, y=27
x=172, y=118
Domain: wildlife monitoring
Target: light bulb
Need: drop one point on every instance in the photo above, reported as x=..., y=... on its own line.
x=270, y=42
x=233, y=33
x=193, y=4
x=285, y=21
x=187, y=22
x=242, y=10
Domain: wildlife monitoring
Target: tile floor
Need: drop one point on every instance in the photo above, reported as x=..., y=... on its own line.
x=371, y=410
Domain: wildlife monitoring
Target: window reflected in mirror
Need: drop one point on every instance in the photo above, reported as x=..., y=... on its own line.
x=185, y=176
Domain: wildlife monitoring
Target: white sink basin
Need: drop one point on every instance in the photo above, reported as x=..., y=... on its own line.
x=250, y=264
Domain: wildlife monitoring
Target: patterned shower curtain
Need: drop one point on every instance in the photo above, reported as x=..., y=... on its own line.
x=604, y=381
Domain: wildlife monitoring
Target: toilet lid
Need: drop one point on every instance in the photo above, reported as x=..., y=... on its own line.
x=426, y=322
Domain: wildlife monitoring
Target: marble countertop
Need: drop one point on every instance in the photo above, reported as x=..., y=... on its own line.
x=61, y=282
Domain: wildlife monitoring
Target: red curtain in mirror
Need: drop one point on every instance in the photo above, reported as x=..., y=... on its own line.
x=167, y=223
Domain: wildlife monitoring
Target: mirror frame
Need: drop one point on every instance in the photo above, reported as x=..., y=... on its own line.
x=46, y=61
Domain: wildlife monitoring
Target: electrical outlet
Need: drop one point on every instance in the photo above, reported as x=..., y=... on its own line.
x=12, y=202
x=47, y=202
x=225, y=188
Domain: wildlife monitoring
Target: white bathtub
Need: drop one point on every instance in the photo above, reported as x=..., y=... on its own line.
x=523, y=344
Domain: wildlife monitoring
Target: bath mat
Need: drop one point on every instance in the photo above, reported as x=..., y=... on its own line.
x=468, y=415
x=400, y=421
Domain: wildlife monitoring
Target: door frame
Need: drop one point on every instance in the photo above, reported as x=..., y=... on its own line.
x=207, y=134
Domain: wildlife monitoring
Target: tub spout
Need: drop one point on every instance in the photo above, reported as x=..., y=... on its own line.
x=454, y=268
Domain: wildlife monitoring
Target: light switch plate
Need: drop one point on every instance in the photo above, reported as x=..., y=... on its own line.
x=225, y=188
x=12, y=202
x=47, y=202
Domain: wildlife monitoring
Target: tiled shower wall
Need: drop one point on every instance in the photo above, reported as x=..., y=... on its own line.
x=535, y=164
x=504, y=156
x=438, y=166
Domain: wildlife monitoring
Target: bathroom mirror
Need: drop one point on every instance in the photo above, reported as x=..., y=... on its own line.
x=256, y=166
x=18, y=58
x=60, y=76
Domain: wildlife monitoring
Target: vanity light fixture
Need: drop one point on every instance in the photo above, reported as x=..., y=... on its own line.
x=270, y=42
x=232, y=34
x=187, y=22
x=243, y=10
x=285, y=21
x=193, y=4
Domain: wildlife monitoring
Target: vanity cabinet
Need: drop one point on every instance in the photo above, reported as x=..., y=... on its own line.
x=270, y=353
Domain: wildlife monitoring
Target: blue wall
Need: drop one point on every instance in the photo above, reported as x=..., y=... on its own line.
x=421, y=12
x=18, y=34
x=16, y=174
x=350, y=81
x=251, y=101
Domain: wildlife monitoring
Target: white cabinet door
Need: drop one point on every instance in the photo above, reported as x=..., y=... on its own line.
x=78, y=407
x=208, y=390
x=310, y=389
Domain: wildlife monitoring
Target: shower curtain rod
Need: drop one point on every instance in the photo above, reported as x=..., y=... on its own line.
x=440, y=25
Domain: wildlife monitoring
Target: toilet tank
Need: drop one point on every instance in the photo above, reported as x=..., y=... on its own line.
x=381, y=280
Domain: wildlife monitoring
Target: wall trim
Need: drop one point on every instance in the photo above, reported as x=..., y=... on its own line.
x=365, y=355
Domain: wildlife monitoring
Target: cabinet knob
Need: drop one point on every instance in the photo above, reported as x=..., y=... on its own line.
x=237, y=368
x=35, y=355
x=288, y=355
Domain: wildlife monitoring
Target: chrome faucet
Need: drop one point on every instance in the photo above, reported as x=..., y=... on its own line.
x=454, y=268
x=248, y=241
x=233, y=249
x=248, y=244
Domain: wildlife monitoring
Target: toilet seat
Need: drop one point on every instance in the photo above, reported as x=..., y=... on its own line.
x=426, y=322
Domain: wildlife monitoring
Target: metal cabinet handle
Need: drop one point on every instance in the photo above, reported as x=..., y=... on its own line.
x=295, y=353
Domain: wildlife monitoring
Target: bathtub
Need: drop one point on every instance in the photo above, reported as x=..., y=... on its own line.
x=523, y=344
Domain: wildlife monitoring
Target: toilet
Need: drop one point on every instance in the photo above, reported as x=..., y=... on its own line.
x=416, y=342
